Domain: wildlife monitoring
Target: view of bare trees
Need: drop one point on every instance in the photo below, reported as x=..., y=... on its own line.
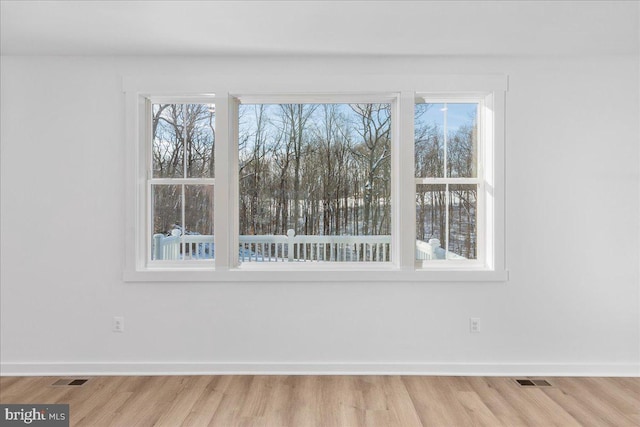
x=319, y=169
x=460, y=133
x=183, y=147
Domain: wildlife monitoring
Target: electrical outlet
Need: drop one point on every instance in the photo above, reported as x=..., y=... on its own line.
x=118, y=324
x=474, y=325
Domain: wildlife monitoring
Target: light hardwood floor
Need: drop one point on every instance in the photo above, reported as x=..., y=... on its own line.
x=330, y=401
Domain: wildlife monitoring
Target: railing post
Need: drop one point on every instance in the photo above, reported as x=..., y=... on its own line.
x=157, y=246
x=290, y=235
x=435, y=244
x=177, y=244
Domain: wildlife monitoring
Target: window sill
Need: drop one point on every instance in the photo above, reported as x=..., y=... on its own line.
x=319, y=274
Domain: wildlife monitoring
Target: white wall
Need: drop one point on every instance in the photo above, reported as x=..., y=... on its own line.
x=571, y=305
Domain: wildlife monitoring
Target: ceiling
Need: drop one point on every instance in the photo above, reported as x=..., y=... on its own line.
x=318, y=27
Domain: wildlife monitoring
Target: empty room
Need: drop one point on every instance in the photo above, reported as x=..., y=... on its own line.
x=320, y=213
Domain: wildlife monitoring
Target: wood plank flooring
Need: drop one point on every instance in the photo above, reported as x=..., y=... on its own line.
x=328, y=401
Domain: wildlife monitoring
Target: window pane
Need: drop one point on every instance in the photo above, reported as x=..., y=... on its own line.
x=200, y=125
x=198, y=235
x=172, y=241
x=199, y=209
x=173, y=124
x=462, y=137
x=430, y=221
x=321, y=171
x=429, y=140
x=167, y=148
x=167, y=221
x=446, y=216
x=463, y=206
x=450, y=125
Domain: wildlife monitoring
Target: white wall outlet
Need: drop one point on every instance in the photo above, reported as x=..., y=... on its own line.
x=118, y=324
x=474, y=325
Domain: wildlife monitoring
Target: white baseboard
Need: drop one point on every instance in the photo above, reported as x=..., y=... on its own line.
x=249, y=368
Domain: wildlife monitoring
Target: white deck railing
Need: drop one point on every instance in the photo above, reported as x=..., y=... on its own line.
x=314, y=248
x=279, y=248
x=196, y=246
x=428, y=250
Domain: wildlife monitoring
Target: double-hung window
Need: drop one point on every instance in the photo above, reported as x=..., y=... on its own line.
x=367, y=178
x=180, y=148
x=450, y=183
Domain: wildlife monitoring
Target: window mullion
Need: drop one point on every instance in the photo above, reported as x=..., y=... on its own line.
x=232, y=123
x=404, y=217
x=442, y=181
x=178, y=181
x=223, y=194
x=183, y=197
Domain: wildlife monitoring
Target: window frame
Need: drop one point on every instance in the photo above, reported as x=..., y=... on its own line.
x=229, y=90
x=325, y=98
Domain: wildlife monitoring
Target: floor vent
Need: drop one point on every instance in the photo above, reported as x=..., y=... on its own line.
x=68, y=381
x=533, y=383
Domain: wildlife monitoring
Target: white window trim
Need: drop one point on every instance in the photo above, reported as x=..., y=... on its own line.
x=305, y=88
